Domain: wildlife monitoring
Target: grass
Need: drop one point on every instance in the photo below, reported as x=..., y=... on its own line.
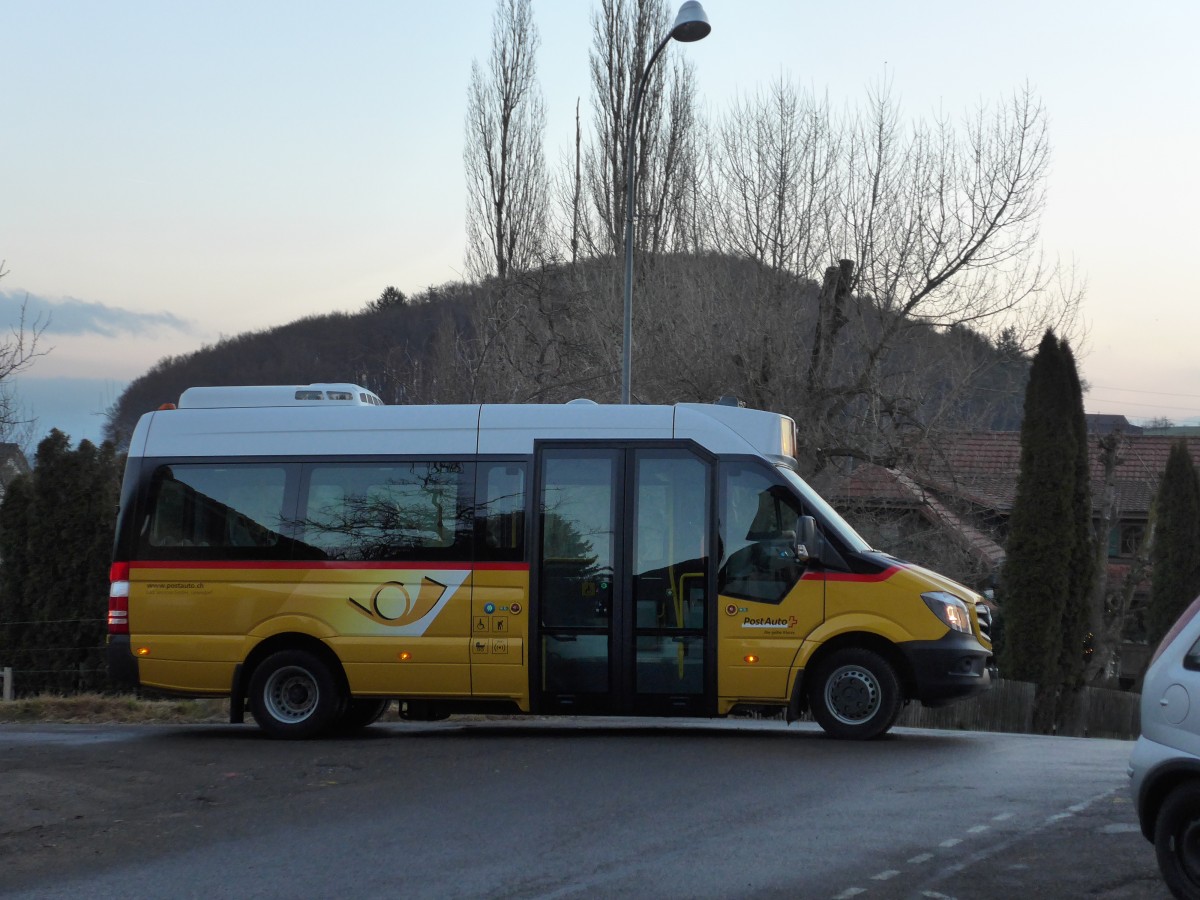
x=105, y=709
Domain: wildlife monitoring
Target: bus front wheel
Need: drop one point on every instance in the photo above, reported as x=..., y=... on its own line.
x=294, y=695
x=855, y=694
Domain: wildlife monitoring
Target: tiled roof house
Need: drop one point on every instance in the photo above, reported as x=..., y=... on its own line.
x=958, y=498
x=968, y=485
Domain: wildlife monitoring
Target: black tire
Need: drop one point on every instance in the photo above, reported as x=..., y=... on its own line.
x=294, y=695
x=421, y=711
x=1177, y=841
x=855, y=694
x=358, y=714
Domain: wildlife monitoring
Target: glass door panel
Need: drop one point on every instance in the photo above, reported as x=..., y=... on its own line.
x=579, y=544
x=670, y=581
x=625, y=581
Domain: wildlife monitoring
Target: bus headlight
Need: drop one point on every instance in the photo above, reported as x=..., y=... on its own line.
x=951, y=610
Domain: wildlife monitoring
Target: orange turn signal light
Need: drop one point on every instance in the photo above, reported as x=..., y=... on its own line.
x=405, y=656
x=143, y=651
x=751, y=659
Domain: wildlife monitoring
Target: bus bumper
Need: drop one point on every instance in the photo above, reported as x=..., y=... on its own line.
x=955, y=667
x=122, y=664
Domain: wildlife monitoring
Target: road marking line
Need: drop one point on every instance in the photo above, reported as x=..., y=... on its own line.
x=850, y=892
x=992, y=849
x=886, y=875
x=1121, y=828
x=978, y=829
x=920, y=858
x=1078, y=807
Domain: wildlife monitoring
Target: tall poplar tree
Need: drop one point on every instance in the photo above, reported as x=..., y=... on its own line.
x=507, y=186
x=1047, y=570
x=1175, y=554
x=1082, y=573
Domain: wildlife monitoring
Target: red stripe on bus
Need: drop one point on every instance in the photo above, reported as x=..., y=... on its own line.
x=850, y=576
x=294, y=565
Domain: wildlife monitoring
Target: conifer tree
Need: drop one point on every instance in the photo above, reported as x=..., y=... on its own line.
x=1175, y=555
x=14, y=572
x=56, y=527
x=1048, y=571
x=1083, y=557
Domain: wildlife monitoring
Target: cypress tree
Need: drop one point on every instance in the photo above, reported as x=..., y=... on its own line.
x=1083, y=556
x=56, y=530
x=1175, y=554
x=14, y=573
x=1044, y=580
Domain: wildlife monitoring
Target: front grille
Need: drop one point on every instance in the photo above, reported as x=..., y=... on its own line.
x=983, y=612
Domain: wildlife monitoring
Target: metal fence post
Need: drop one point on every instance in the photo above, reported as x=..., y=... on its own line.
x=6, y=677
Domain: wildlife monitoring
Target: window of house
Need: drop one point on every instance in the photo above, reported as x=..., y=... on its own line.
x=1125, y=539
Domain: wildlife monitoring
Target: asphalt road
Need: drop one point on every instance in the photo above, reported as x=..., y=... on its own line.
x=565, y=808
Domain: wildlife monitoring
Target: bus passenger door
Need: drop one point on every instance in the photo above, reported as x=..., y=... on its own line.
x=770, y=600
x=624, y=581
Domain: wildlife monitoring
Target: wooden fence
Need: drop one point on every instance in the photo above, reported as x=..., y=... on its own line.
x=1008, y=706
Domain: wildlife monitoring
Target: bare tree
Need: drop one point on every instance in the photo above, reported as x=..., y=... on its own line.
x=1106, y=609
x=17, y=353
x=911, y=229
x=507, y=188
x=624, y=35
x=777, y=156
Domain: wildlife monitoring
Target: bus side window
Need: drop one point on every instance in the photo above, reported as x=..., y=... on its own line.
x=387, y=511
x=205, y=511
x=759, y=518
x=500, y=512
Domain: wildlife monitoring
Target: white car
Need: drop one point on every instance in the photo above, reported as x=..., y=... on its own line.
x=1165, y=766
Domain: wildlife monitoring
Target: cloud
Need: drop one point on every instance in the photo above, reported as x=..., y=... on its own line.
x=70, y=316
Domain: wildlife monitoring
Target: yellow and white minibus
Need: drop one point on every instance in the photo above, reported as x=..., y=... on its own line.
x=316, y=555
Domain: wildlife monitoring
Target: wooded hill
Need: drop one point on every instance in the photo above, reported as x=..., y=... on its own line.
x=861, y=380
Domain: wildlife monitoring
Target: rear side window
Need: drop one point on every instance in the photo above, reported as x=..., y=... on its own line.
x=215, y=511
x=500, y=512
x=388, y=511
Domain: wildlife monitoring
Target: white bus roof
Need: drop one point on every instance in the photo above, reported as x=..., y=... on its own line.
x=276, y=395
x=337, y=429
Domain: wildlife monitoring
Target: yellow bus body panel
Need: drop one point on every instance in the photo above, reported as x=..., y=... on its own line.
x=433, y=632
x=821, y=607
x=410, y=631
x=757, y=643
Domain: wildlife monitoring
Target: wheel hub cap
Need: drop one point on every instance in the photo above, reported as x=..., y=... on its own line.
x=852, y=695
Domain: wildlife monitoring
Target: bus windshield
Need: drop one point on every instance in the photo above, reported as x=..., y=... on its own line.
x=826, y=513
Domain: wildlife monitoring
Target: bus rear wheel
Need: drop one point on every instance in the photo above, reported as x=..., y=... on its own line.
x=294, y=695
x=855, y=694
x=358, y=714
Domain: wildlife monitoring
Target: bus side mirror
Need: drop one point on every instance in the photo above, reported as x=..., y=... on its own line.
x=806, y=539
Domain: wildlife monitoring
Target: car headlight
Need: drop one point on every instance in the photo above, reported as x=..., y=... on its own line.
x=951, y=610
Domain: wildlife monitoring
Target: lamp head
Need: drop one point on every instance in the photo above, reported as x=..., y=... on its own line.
x=691, y=24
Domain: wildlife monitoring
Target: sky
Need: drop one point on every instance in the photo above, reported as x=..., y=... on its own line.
x=175, y=172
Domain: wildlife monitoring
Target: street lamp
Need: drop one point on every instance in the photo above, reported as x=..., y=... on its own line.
x=691, y=24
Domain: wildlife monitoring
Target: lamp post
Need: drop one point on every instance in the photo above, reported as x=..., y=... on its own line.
x=691, y=24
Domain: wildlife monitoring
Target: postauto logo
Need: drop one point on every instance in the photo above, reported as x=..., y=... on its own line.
x=393, y=604
x=733, y=609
